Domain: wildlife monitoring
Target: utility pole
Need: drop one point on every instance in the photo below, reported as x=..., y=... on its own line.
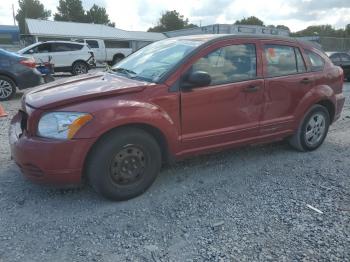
x=13, y=14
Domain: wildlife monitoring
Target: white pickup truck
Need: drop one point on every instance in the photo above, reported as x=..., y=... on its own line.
x=110, y=51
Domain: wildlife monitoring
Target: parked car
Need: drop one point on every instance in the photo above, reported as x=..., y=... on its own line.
x=110, y=51
x=173, y=99
x=341, y=59
x=73, y=57
x=16, y=72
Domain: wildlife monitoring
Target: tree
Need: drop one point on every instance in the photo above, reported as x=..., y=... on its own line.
x=171, y=20
x=252, y=20
x=283, y=27
x=30, y=9
x=98, y=15
x=70, y=10
x=320, y=30
x=347, y=30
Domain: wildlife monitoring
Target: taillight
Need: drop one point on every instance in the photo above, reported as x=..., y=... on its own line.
x=28, y=63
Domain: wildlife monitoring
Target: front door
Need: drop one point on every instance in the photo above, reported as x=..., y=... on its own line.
x=229, y=109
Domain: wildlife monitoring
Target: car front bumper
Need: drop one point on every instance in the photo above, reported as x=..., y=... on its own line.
x=47, y=161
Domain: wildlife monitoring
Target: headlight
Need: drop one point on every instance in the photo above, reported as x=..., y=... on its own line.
x=62, y=125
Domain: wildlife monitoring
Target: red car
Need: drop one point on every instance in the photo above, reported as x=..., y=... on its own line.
x=172, y=99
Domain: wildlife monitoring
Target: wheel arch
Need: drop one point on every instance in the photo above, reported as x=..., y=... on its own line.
x=329, y=105
x=155, y=132
x=9, y=76
x=80, y=60
x=121, y=55
x=322, y=95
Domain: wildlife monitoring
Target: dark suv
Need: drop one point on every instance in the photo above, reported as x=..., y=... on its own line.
x=341, y=59
x=173, y=99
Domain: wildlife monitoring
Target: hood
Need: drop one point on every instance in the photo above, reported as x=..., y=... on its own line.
x=80, y=88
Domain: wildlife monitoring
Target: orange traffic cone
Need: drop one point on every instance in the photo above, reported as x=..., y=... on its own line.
x=2, y=111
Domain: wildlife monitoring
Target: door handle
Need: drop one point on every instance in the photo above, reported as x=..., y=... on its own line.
x=305, y=81
x=251, y=89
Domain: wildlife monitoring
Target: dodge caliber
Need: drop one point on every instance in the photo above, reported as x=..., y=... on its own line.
x=173, y=99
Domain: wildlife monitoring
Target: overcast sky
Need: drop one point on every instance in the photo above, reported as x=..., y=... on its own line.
x=142, y=14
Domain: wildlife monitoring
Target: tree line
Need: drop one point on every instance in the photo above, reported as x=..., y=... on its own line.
x=72, y=10
x=67, y=10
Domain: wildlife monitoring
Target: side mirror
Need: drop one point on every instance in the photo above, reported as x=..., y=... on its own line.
x=31, y=51
x=198, y=79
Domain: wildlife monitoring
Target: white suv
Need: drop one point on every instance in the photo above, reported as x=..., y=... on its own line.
x=73, y=57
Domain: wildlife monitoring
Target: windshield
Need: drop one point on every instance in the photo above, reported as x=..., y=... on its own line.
x=153, y=61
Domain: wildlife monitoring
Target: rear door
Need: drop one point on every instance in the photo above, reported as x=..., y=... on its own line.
x=286, y=82
x=229, y=109
x=65, y=54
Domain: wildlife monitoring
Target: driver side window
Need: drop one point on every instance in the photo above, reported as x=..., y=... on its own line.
x=229, y=64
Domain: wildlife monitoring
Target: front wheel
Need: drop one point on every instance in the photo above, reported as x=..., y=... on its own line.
x=312, y=130
x=124, y=164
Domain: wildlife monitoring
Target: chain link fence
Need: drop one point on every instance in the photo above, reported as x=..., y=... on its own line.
x=335, y=44
x=329, y=43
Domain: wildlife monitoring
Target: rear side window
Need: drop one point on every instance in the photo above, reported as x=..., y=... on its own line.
x=229, y=64
x=317, y=62
x=92, y=43
x=65, y=47
x=284, y=60
x=117, y=44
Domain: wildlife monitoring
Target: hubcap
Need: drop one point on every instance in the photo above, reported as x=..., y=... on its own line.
x=80, y=69
x=315, y=129
x=128, y=165
x=5, y=89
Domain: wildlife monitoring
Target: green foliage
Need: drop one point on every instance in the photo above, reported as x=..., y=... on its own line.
x=98, y=15
x=30, y=9
x=171, y=20
x=324, y=30
x=72, y=10
x=252, y=20
x=283, y=27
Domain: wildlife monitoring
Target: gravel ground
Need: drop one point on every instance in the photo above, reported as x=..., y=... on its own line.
x=248, y=204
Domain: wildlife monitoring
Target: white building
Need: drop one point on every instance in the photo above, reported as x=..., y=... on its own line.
x=45, y=30
x=228, y=29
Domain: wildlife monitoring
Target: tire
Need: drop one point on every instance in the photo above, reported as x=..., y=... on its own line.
x=117, y=59
x=124, y=164
x=313, y=129
x=7, y=88
x=80, y=68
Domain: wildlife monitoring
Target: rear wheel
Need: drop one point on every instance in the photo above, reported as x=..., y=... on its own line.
x=117, y=59
x=7, y=88
x=313, y=129
x=124, y=164
x=80, y=68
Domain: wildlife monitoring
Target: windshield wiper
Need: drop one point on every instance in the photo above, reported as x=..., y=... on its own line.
x=126, y=71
